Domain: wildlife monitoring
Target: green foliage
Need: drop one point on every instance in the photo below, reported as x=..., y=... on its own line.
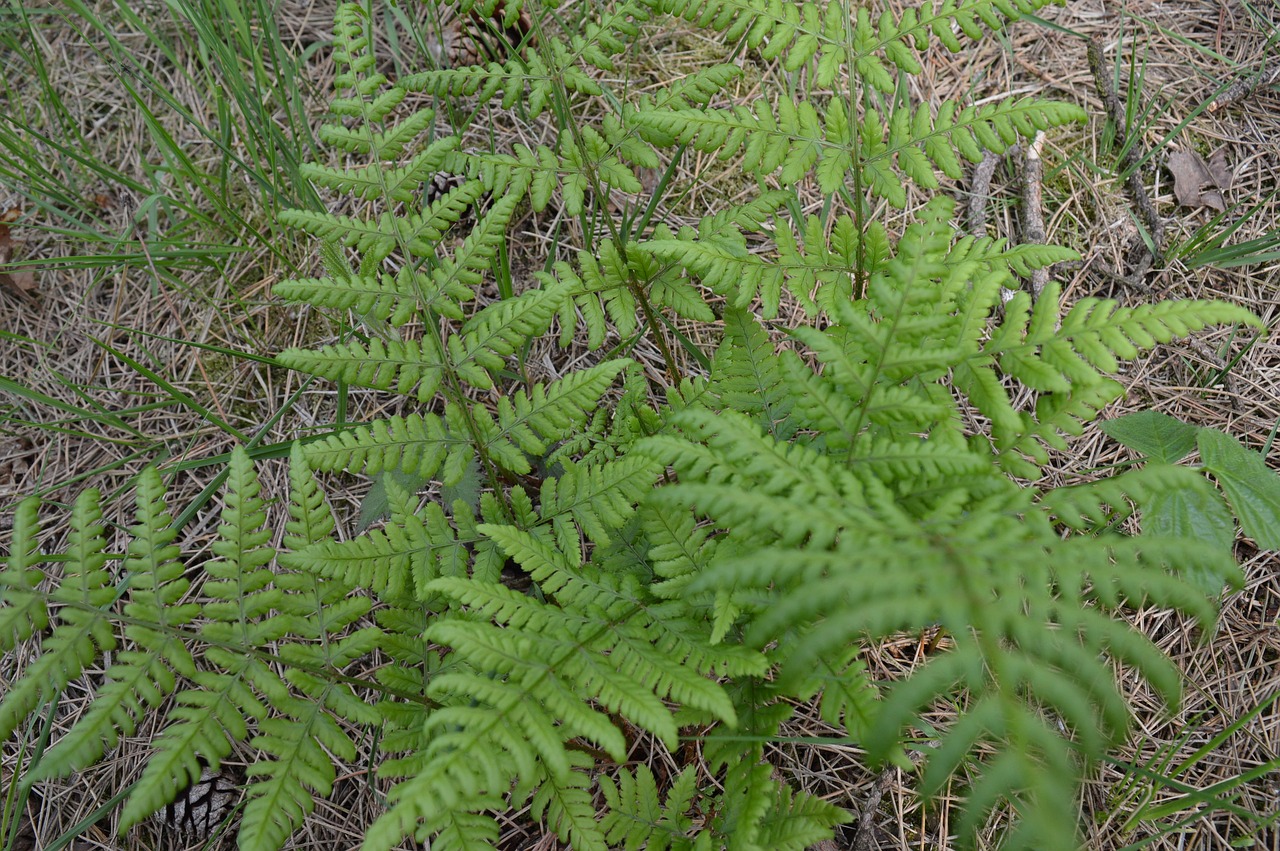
x=1247, y=489
x=588, y=562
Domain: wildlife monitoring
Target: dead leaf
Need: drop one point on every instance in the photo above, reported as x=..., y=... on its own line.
x=21, y=281
x=1219, y=170
x=1197, y=183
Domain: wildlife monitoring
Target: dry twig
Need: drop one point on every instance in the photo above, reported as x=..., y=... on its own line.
x=980, y=194
x=1131, y=154
x=1246, y=86
x=865, y=838
x=1032, y=219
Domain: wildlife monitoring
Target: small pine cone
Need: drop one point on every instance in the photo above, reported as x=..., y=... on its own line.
x=202, y=806
x=475, y=39
x=440, y=185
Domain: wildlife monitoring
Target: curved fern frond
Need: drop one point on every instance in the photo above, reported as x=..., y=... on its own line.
x=795, y=139
x=84, y=597
x=385, y=298
x=494, y=333
x=636, y=817
x=1069, y=361
x=143, y=674
x=23, y=611
x=210, y=716
x=805, y=31
x=378, y=181
x=412, y=367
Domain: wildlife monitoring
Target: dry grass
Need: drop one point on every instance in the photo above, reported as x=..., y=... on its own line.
x=72, y=346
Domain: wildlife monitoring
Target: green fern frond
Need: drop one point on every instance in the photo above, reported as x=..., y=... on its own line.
x=795, y=139
x=84, y=597
x=412, y=367
x=696, y=89
x=494, y=333
x=727, y=269
x=381, y=560
x=418, y=234
x=22, y=611
x=202, y=726
x=822, y=271
x=397, y=561
x=803, y=32
x=534, y=420
x=458, y=830
x=400, y=183
x=568, y=806
x=385, y=298
x=749, y=792
x=537, y=167
x=797, y=820
x=416, y=444
x=679, y=549
x=520, y=653
x=637, y=818
x=598, y=498
x=301, y=737
x=470, y=752
x=239, y=583
x=749, y=377
x=1115, y=498
x=299, y=747
x=353, y=53
x=1094, y=335
x=141, y=676
x=240, y=586
x=1069, y=361
x=517, y=80
x=387, y=145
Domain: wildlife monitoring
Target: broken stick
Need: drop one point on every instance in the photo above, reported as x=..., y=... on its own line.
x=1032, y=218
x=1131, y=155
x=1245, y=86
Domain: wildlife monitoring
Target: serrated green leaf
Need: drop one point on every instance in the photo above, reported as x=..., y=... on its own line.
x=1158, y=436
x=1198, y=513
x=1250, y=485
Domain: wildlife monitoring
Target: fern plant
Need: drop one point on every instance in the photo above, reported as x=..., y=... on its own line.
x=525, y=640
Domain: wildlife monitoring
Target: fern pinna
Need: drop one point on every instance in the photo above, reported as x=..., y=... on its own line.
x=547, y=610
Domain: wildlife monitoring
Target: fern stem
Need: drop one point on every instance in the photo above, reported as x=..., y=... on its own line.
x=564, y=116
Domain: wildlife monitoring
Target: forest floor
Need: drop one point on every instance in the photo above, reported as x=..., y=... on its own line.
x=119, y=345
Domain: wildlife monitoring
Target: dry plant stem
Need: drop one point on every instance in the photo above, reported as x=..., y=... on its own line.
x=865, y=838
x=1246, y=86
x=1032, y=200
x=1131, y=155
x=979, y=199
x=980, y=194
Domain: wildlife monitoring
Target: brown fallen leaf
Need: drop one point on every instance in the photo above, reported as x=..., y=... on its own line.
x=1197, y=183
x=21, y=281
